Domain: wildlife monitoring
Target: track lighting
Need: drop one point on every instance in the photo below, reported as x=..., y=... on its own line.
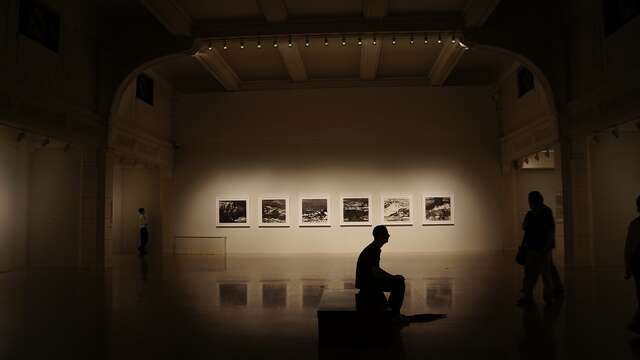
x=439, y=38
x=374, y=42
x=326, y=41
x=241, y=44
x=259, y=44
x=21, y=136
x=306, y=41
x=465, y=47
x=344, y=41
x=275, y=43
x=393, y=40
x=290, y=44
x=615, y=133
x=411, y=41
x=210, y=47
x=426, y=39
x=359, y=40
x=225, y=46
x=453, y=38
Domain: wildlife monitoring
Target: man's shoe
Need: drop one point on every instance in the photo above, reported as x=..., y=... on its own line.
x=524, y=302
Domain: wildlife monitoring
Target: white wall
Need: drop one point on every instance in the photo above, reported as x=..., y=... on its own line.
x=339, y=141
x=55, y=208
x=14, y=172
x=616, y=184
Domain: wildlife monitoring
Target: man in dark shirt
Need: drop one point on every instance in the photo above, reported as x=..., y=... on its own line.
x=539, y=240
x=373, y=281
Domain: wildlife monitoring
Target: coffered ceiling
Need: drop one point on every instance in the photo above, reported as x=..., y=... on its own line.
x=333, y=43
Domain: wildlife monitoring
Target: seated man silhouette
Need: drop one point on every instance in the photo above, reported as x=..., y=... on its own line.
x=373, y=281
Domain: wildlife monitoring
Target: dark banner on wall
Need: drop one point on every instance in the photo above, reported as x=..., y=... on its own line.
x=40, y=23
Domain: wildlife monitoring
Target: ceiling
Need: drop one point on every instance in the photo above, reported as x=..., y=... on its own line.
x=268, y=67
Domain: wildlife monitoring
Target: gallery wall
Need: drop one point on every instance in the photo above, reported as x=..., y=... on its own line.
x=13, y=200
x=615, y=171
x=341, y=141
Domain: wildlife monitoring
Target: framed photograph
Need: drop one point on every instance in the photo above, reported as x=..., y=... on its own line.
x=437, y=209
x=232, y=211
x=355, y=210
x=274, y=211
x=396, y=209
x=315, y=210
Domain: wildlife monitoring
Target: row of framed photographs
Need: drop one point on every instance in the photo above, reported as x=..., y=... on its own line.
x=315, y=210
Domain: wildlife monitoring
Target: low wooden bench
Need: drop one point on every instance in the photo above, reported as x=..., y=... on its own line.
x=340, y=322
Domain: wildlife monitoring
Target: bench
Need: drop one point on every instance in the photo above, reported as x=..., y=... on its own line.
x=340, y=322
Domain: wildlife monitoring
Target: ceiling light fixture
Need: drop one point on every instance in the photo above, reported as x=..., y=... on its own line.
x=359, y=40
x=426, y=39
x=465, y=47
x=290, y=44
x=344, y=41
x=393, y=39
x=225, y=45
x=259, y=44
x=439, y=38
x=374, y=42
x=275, y=43
x=326, y=41
x=453, y=38
x=306, y=41
x=615, y=133
x=241, y=44
x=210, y=47
x=411, y=41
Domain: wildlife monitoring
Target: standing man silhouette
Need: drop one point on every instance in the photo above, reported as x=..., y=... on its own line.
x=632, y=263
x=143, y=224
x=539, y=241
x=373, y=281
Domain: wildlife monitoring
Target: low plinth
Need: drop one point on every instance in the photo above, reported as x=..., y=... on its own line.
x=340, y=322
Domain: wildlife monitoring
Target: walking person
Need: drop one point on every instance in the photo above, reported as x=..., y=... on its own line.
x=143, y=224
x=632, y=263
x=539, y=240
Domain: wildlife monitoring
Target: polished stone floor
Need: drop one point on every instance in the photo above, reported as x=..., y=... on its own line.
x=256, y=307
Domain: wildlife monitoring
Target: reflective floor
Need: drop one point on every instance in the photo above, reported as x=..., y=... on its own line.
x=264, y=307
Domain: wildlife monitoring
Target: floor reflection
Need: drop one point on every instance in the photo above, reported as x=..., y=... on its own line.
x=262, y=307
x=439, y=294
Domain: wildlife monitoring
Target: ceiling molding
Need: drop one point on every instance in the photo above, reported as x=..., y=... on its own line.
x=444, y=22
x=447, y=60
x=215, y=64
x=334, y=84
x=370, y=53
x=275, y=11
x=170, y=15
x=477, y=12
